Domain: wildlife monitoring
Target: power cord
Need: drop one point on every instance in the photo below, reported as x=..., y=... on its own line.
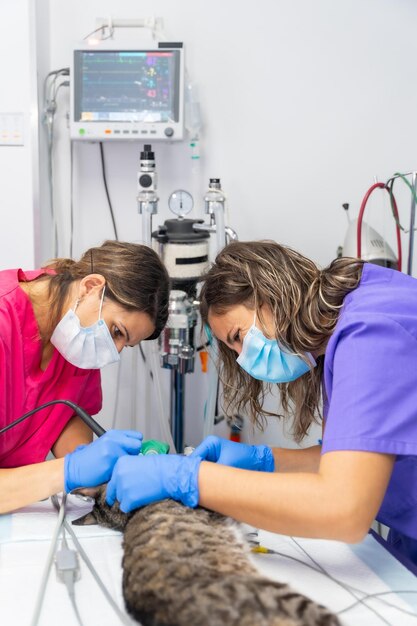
x=346, y=586
x=122, y=616
x=68, y=572
x=103, y=172
x=48, y=564
x=50, y=92
x=71, y=198
x=87, y=419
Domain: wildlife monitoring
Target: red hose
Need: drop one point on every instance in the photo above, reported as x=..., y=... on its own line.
x=396, y=215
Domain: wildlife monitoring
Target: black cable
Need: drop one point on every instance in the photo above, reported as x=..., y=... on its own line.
x=203, y=346
x=86, y=418
x=71, y=198
x=142, y=354
x=102, y=28
x=103, y=171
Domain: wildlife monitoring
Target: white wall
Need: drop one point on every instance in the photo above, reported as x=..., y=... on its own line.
x=303, y=103
x=19, y=210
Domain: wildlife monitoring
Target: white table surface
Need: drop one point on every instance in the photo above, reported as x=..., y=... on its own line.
x=25, y=539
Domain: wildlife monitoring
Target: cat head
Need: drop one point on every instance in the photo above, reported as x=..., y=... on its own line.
x=101, y=513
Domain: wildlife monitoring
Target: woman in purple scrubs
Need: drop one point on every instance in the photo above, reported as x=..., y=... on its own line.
x=341, y=345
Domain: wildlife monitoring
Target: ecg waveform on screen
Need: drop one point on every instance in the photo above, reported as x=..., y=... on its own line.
x=132, y=86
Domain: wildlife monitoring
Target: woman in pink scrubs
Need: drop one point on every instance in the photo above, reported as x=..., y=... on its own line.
x=58, y=326
x=347, y=334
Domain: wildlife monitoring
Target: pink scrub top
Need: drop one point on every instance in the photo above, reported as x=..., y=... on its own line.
x=24, y=386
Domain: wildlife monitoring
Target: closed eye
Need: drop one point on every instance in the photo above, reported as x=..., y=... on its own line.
x=117, y=332
x=233, y=337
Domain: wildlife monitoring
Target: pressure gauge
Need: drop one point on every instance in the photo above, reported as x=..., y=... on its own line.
x=180, y=202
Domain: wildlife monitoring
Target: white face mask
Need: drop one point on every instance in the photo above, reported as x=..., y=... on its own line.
x=90, y=347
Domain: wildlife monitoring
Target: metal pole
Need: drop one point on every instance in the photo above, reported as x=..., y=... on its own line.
x=177, y=409
x=412, y=225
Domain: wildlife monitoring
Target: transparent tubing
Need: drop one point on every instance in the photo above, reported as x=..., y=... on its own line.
x=147, y=223
x=163, y=418
x=218, y=210
x=210, y=412
x=213, y=378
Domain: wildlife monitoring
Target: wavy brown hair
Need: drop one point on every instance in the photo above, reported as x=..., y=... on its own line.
x=305, y=302
x=135, y=278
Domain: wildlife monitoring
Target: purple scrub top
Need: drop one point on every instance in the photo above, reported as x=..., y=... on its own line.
x=370, y=376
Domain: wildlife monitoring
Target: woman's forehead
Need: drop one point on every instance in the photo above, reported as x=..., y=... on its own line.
x=231, y=315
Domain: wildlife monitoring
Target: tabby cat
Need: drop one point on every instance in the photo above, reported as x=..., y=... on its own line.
x=191, y=567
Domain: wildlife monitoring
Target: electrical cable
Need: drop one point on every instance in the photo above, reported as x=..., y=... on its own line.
x=87, y=419
x=68, y=569
x=48, y=565
x=103, y=171
x=64, y=71
x=324, y=571
x=144, y=359
x=65, y=83
x=116, y=398
x=396, y=215
x=50, y=131
x=377, y=596
x=68, y=572
x=347, y=587
x=71, y=596
x=122, y=616
x=50, y=107
x=71, y=198
x=390, y=185
x=203, y=346
x=102, y=28
x=134, y=391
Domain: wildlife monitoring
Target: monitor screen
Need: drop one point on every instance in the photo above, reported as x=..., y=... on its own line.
x=126, y=86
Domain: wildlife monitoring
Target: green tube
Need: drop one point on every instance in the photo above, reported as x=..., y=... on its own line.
x=153, y=446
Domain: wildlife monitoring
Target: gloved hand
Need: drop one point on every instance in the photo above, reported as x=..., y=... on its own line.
x=235, y=454
x=137, y=481
x=92, y=464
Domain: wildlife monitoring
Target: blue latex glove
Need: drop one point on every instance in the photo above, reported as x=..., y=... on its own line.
x=137, y=481
x=91, y=465
x=242, y=455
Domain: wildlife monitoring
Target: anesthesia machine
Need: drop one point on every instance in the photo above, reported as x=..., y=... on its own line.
x=184, y=246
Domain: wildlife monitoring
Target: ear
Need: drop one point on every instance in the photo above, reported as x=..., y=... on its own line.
x=90, y=284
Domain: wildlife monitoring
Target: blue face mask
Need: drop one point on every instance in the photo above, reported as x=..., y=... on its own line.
x=264, y=360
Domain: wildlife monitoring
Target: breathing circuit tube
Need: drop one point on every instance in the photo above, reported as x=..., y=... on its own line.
x=86, y=418
x=396, y=216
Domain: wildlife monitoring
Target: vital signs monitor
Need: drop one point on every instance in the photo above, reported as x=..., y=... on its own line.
x=127, y=93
